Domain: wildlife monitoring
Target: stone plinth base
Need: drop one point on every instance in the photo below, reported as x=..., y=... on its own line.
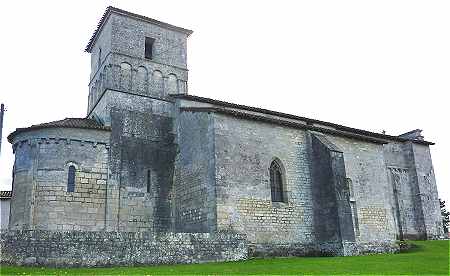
x=92, y=249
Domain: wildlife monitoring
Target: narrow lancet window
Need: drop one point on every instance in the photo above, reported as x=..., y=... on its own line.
x=276, y=182
x=99, y=60
x=149, y=47
x=149, y=181
x=71, y=179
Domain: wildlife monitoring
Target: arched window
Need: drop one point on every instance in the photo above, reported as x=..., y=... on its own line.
x=125, y=76
x=157, y=83
x=172, y=84
x=276, y=182
x=142, y=75
x=71, y=179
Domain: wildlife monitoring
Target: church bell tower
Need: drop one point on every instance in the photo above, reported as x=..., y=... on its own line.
x=136, y=55
x=136, y=64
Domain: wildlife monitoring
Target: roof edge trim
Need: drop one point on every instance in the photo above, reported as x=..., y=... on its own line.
x=13, y=134
x=286, y=123
x=295, y=117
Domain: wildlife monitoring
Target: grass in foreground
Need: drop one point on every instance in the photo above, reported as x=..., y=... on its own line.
x=429, y=258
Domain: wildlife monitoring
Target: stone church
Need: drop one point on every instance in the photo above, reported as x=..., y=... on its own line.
x=150, y=158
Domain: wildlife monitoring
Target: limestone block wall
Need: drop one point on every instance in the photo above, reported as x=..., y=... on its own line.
x=367, y=179
x=428, y=193
x=101, y=51
x=118, y=62
x=22, y=192
x=142, y=154
x=136, y=76
x=127, y=38
x=414, y=192
x=89, y=249
x=406, y=205
x=4, y=212
x=194, y=179
x=141, y=161
x=117, y=100
x=333, y=214
x=244, y=150
x=40, y=196
x=129, y=92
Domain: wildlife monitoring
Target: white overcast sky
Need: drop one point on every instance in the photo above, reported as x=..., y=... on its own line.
x=374, y=65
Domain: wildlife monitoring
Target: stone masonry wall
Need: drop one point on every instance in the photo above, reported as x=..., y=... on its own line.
x=194, y=189
x=123, y=66
x=87, y=249
x=130, y=93
x=427, y=192
x=4, y=212
x=83, y=209
x=43, y=182
x=22, y=198
x=406, y=204
x=333, y=217
x=244, y=151
x=414, y=193
x=142, y=163
x=142, y=154
x=367, y=178
x=51, y=207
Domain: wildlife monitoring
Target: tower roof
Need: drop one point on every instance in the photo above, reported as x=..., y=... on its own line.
x=111, y=10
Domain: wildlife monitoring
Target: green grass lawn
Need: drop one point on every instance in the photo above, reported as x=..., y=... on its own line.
x=429, y=258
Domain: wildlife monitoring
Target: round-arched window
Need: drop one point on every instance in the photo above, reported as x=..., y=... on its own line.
x=71, y=179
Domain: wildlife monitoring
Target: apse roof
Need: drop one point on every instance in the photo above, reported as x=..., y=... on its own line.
x=65, y=123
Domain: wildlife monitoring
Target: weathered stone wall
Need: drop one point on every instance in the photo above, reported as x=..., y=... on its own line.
x=427, y=192
x=130, y=93
x=22, y=198
x=194, y=189
x=142, y=154
x=406, y=205
x=123, y=66
x=142, y=163
x=244, y=151
x=414, y=192
x=128, y=38
x=74, y=248
x=357, y=183
x=41, y=175
x=333, y=217
x=4, y=213
x=367, y=179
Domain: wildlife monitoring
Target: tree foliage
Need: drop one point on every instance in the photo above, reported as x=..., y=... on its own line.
x=445, y=216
